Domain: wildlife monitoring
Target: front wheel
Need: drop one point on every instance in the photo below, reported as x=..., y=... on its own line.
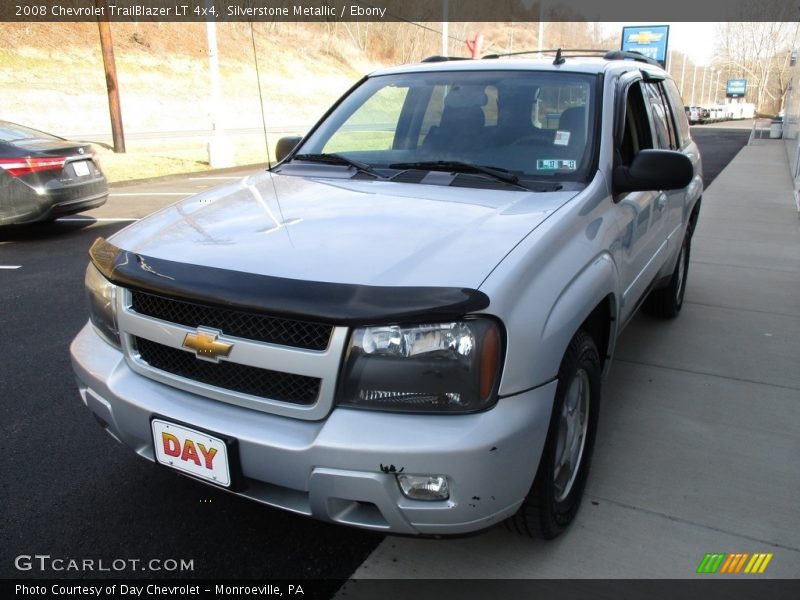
x=557, y=490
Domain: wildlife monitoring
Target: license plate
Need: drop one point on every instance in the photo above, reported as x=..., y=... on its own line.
x=192, y=451
x=81, y=167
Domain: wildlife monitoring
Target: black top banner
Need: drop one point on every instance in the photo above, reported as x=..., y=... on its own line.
x=397, y=10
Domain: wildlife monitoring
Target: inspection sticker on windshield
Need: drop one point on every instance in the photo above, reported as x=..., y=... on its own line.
x=562, y=138
x=556, y=164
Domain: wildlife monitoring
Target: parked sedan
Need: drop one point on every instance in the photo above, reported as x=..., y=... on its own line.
x=43, y=177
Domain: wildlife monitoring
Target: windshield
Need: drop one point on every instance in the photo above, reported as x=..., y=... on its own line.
x=530, y=124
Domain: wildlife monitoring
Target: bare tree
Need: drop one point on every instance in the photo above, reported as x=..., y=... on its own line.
x=759, y=52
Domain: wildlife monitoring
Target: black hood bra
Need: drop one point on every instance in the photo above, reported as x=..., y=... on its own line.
x=335, y=303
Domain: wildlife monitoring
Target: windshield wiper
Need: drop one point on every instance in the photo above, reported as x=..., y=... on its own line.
x=339, y=159
x=457, y=166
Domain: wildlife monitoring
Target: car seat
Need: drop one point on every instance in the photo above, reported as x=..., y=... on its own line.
x=462, y=124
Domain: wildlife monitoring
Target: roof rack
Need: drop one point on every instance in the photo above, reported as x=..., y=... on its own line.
x=561, y=53
x=437, y=58
x=630, y=55
x=569, y=51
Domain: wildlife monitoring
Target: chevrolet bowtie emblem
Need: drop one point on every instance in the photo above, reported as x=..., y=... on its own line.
x=205, y=344
x=645, y=37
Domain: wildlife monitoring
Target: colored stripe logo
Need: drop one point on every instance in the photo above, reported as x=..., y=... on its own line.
x=734, y=563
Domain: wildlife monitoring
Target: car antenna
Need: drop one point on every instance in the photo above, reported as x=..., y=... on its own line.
x=559, y=60
x=264, y=125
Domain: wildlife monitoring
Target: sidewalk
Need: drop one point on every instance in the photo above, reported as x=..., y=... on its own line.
x=698, y=445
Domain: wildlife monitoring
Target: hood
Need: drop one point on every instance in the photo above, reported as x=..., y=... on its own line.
x=344, y=231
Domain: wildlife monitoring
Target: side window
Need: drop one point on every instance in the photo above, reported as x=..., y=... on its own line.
x=678, y=113
x=636, y=134
x=662, y=123
x=433, y=113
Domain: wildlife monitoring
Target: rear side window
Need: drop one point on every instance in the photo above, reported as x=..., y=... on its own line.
x=678, y=114
x=662, y=120
x=11, y=132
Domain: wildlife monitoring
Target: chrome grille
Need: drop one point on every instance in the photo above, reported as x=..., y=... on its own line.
x=254, y=381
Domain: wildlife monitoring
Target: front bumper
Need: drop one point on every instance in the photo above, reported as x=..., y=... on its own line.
x=335, y=469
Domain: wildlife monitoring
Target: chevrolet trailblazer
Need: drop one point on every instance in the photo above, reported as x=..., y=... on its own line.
x=404, y=324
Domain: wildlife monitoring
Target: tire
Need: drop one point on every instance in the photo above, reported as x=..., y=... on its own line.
x=557, y=490
x=666, y=302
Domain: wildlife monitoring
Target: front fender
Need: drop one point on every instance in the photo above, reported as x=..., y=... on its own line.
x=598, y=281
x=551, y=283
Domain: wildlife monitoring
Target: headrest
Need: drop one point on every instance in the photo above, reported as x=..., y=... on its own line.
x=463, y=96
x=572, y=118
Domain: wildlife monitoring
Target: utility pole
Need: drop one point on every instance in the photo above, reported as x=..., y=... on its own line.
x=703, y=88
x=712, y=96
x=220, y=151
x=683, y=72
x=540, y=40
x=694, y=80
x=110, y=68
x=445, y=28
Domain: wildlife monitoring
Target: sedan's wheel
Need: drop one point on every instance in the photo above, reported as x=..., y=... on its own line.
x=555, y=496
x=667, y=302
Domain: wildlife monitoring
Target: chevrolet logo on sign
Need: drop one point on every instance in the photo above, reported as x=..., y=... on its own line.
x=206, y=346
x=645, y=37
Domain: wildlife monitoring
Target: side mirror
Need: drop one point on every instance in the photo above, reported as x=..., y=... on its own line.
x=284, y=146
x=654, y=170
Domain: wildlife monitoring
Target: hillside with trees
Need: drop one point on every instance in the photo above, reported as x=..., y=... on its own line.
x=53, y=79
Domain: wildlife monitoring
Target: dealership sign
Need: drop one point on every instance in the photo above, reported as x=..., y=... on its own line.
x=736, y=88
x=649, y=40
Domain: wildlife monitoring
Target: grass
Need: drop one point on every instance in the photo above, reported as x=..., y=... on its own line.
x=158, y=158
x=142, y=165
x=360, y=140
x=52, y=79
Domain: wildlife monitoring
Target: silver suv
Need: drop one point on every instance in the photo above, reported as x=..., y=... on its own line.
x=405, y=323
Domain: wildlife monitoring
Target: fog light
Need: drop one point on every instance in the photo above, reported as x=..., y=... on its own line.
x=424, y=487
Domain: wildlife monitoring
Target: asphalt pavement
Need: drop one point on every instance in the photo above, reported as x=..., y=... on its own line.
x=695, y=452
x=70, y=491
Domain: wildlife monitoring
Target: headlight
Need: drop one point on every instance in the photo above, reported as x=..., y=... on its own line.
x=442, y=367
x=102, y=295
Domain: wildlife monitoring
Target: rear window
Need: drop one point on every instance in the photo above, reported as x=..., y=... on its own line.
x=11, y=132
